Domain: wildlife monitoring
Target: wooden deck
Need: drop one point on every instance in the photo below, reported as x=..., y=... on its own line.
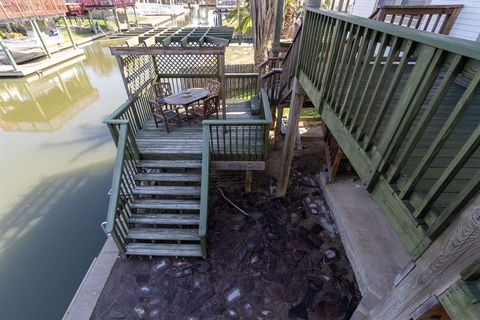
x=185, y=141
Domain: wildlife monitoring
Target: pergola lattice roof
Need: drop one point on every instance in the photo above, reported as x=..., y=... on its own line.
x=162, y=40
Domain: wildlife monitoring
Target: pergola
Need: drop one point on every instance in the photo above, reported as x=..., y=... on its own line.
x=184, y=57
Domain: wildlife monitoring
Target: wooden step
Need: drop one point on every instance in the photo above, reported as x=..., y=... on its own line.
x=168, y=190
x=163, y=234
x=175, y=250
x=170, y=218
x=188, y=164
x=167, y=204
x=169, y=177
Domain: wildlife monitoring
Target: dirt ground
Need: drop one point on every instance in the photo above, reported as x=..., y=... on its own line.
x=284, y=260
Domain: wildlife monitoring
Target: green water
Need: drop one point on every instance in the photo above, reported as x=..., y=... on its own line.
x=56, y=160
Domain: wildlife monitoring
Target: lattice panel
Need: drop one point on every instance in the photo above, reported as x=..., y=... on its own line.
x=176, y=64
x=138, y=71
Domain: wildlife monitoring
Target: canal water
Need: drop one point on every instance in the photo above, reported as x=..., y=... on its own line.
x=56, y=162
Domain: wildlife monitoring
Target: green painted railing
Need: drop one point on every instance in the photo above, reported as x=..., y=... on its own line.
x=222, y=141
x=404, y=106
x=123, y=183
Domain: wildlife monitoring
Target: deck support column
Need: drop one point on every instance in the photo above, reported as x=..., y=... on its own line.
x=104, y=19
x=126, y=18
x=74, y=44
x=248, y=181
x=296, y=104
x=39, y=34
x=9, y=55
x=117, y=22
x=136, y=17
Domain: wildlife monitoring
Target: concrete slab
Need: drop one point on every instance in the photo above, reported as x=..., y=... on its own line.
x=83, y=303
x=371, y=245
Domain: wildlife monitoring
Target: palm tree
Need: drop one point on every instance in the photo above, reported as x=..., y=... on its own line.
x=260, y=15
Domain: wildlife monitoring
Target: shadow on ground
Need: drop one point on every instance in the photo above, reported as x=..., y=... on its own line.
x=282, y=261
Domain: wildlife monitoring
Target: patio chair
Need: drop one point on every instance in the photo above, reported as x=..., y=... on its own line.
x=210, y=106
x=162, y=89
x=213, y=87
x=162, y=113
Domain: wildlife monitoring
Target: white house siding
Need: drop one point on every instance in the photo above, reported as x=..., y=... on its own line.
x=363, y=8
x=467, y=25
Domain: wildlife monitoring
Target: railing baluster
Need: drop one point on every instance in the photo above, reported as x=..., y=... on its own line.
x=457, y=113
x=449, y=77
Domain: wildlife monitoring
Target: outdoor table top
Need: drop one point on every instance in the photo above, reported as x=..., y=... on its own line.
x=182, y=99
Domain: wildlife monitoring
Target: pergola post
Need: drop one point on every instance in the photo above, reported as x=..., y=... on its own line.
x=136, y=17
x=69, y=32
x=126, y=17
x=278, y=27
x=39, y=34
x=92, y=23
x=221, y=70
x=9, y=55
x=296, y=104
x=104, y=19
x=115, y=15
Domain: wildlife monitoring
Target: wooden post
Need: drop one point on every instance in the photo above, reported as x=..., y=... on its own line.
x=296, y=104
x=90, y=21
x=248, y=181
x=126, y=17
x=135, y=14
x=437, y=269
x=278, y=28
x=221, y=69
x=9, y=55
x=115, y=15
x=278, y=125
x=74, y=45
x=39, y=34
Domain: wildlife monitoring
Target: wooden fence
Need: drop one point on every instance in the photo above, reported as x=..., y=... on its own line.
x=404, y=107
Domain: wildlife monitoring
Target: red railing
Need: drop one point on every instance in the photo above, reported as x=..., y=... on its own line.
x=15, y=9
x=107, y=3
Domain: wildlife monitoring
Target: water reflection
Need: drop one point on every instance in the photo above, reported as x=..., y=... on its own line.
x=55, y=98
x=56, y=160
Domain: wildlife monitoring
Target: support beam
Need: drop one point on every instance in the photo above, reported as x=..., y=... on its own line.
x=248, y=181
x=69, y=32
x=278, y=27
x=296, y=104
x=9, y=55
x=104, y=19
x=136, y=17
x=39, y=34
x=117, y=22
x=221, y=69
x=437, y=269
x=126, y=18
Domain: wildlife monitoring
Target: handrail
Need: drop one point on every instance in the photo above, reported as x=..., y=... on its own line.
x=122, y=184
x=392, y=98
x=464, y=47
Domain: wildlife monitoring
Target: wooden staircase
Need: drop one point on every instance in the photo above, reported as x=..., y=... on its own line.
x=165, y=209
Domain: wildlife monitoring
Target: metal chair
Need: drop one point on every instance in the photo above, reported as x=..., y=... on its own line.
x=209, y=107
x=161, y=113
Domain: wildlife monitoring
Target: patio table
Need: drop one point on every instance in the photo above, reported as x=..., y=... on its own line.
x=181, y=99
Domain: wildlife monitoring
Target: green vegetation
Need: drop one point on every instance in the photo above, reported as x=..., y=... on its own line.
x=306, y=112
x=9, y=35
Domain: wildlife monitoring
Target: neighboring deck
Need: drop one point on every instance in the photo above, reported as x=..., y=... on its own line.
x=186, y=142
